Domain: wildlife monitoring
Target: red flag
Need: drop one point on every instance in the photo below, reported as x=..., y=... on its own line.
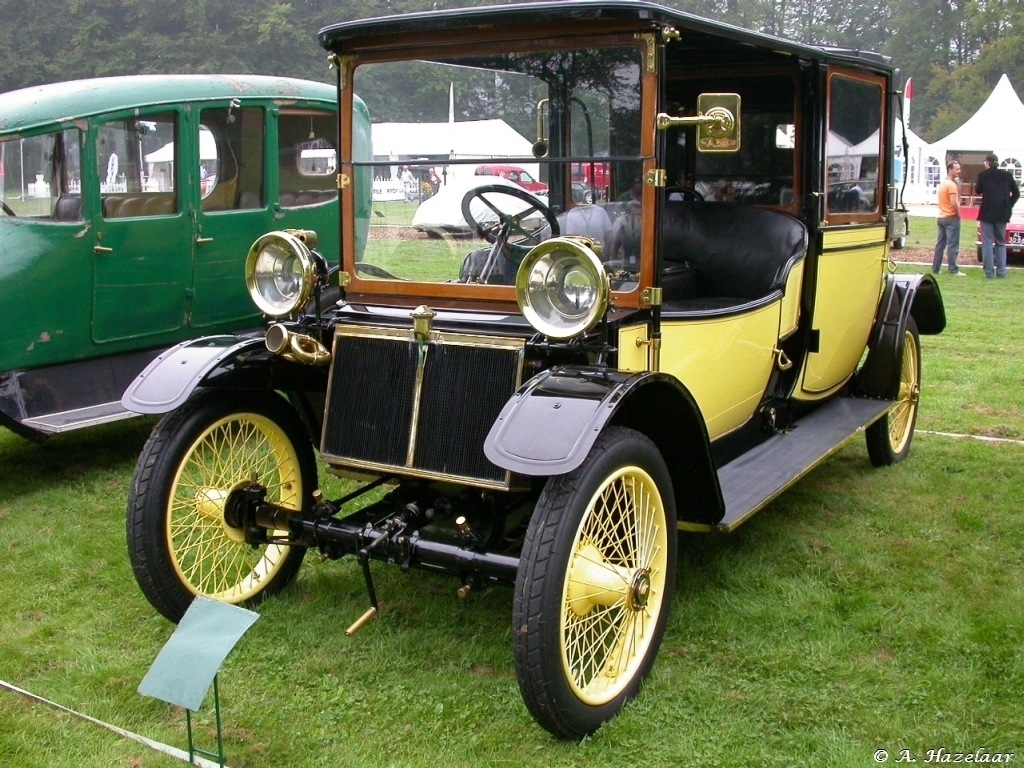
x=908, y=90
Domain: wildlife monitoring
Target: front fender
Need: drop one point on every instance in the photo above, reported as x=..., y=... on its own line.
x=549, y=426
x=168, y=381
x=552, y=422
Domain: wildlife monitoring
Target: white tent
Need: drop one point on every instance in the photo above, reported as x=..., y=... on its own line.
x=395, y=143
x=922, y=169
x=995, y=127
x=207, y=150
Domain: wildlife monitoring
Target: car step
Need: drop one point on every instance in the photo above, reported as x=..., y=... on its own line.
x=54, y=423
x=755, y=478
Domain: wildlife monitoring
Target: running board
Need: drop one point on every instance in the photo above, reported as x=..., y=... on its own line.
x=758, y=476
x=65, y=421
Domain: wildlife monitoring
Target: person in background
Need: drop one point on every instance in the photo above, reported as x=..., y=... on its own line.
x=999, y=193
x=949, y=220
x=408, y=183
x=625, y=235
x=725, y=192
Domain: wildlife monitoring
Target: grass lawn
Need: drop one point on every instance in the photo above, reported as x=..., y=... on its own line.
x=863, y=610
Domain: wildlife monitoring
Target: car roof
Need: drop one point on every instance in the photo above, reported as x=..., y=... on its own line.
x=41, y=106
x=335, y=37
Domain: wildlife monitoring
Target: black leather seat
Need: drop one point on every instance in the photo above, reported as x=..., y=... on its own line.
x=739, y=253
x=68, y=208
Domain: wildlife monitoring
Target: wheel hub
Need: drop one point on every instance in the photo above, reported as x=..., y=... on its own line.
x=639, y=590
x=213, y=504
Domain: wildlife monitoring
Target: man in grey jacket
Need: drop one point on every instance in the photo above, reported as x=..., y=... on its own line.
x=999, y=193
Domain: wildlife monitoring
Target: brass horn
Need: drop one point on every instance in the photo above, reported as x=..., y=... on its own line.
x=297, y=347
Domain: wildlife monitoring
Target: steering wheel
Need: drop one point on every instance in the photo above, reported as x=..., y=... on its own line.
x=372, y=270
x=687, y=194
x=508, y=227
x=7, y=209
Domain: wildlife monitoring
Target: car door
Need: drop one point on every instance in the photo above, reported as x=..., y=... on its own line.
x=853, y=254
x=230, y=197
x=142, y=235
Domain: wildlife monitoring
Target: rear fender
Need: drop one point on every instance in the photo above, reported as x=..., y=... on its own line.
x=549, y=426
x=905, y=296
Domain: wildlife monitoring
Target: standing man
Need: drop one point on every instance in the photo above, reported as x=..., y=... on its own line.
x=949, y=220
x=408, y=184
x=999, y=193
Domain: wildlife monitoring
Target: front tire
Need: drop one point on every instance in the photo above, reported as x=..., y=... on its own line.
x=595, y=584
x=889, y=438
x=179, y=543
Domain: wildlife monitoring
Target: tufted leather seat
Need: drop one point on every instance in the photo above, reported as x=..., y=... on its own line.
x=738, y=253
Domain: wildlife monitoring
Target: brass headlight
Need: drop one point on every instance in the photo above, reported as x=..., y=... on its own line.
x=280, y=273
x=562, y=288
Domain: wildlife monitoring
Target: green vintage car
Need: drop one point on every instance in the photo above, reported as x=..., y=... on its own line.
x=548, y=403
x=126, y=207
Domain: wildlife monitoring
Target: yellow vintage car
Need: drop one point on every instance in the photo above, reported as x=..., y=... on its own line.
x=547, y=403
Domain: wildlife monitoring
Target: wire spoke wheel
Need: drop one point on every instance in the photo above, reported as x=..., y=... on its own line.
x=208, y=554
x=614, y=586
x=595, y=584
x=180, y=542
x=889, y=438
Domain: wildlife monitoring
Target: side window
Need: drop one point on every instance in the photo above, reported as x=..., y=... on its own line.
x=854, y=142
x=231, y=151
x=307, y=156
x=40, y=177
x=136, y=158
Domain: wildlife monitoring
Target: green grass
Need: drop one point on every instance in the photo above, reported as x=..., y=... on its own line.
x=864, y=609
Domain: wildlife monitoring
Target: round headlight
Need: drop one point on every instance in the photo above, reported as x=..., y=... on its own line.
x=280, y=273
x=562, y=288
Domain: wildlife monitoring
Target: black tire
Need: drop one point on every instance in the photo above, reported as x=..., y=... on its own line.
x=569, y=635
x=178, y=543
x=889, y=438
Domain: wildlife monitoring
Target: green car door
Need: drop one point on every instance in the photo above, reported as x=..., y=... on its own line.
x=143, y=235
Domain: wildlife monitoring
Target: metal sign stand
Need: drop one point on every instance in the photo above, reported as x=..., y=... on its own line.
x=187, y=665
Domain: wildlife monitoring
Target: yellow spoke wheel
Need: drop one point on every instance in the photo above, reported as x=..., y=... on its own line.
x=180, y=543
x=889, y=438
x=594, y=585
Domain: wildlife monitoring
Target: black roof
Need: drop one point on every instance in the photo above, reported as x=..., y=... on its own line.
x=335, y=36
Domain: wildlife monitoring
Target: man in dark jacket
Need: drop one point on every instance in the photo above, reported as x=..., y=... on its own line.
x=999, y=193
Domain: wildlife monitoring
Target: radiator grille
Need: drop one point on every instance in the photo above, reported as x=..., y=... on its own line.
x=375, y=396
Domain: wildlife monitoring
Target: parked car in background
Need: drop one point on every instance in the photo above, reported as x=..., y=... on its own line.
x=126, y=207
x=1014, y=235
x=581, y=193
x=514, y=174
x=547, y=407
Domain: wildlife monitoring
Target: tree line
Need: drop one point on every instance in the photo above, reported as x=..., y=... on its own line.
x=955, y=50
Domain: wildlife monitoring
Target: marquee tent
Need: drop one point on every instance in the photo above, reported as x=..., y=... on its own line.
x=995, y=127
x=483, y=140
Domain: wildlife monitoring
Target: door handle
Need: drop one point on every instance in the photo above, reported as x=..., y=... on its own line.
x=203, y=240
x=102, y=249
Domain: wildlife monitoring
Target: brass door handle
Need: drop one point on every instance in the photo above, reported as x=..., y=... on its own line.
x=203, y=240
x=102, y=249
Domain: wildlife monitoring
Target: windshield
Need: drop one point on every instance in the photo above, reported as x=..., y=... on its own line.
x=477, y=158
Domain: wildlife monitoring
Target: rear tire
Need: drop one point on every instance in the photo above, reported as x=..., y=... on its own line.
x=889, y=438
x=594, y=585
x=179, y=543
